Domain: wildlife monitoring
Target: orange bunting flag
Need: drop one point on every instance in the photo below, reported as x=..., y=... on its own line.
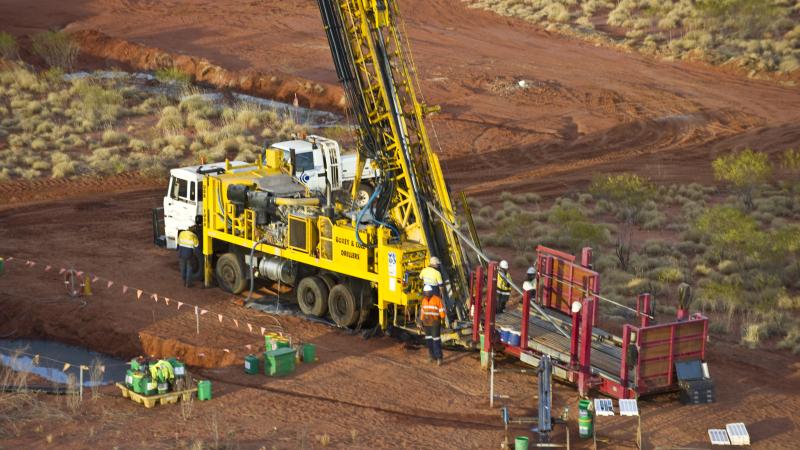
x=263, y=331
x=166, y=300
x=110, y=283
x=154, y=297
x=10, y=258
x=138, y=294
x=204, y=311
x=124, y=290
x=226, y=350
x=250, y=327
x=248, y=346
x=47, y=268
x=219, y=316
x=62, y=271
x=79, y=273
x=202, y=355
x=236, y=322
x=180, y=304
x=66, y=366
x=28, y=263
x=95, y=278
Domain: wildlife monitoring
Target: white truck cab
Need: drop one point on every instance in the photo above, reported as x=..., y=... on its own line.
x=183, y=204
x=317, y=161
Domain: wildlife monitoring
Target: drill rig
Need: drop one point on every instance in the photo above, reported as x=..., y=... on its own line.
x=347, y=260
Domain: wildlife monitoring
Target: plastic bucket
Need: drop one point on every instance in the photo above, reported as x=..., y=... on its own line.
x=137, y=382
x=583, y=408
x=521, y=443
x=251, y=364
x=309, y=352
x=514, y=339
x=151, y=387
x=204, y=390
x=585, y=427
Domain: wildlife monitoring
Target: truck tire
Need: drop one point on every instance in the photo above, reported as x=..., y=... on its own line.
x=343, y=306
x=312, y=296
x=329, y=280
x=231, y=274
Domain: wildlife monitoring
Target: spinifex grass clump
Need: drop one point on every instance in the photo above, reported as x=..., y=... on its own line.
x=105, y=126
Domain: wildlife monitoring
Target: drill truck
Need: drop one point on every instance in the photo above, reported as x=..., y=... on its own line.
x=271, y=220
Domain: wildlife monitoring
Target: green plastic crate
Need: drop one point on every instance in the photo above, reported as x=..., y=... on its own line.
x=279, y=362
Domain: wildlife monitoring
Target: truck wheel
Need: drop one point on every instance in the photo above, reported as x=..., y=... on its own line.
x=312, y=296
x=231, y=274
x=329, y=280
x=343, y=306
x=363, y=194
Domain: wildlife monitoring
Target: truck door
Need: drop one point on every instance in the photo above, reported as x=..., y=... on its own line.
x=180, y=207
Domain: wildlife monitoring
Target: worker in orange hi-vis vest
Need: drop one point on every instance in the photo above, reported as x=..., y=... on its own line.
x=432, y=312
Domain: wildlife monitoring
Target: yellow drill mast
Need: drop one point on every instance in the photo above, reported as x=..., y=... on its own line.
x=375, y=68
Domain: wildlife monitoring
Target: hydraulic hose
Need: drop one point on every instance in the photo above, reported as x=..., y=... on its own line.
x=361, y=214
x=252, y=278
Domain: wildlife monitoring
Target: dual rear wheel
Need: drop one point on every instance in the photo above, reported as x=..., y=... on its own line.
x=321, y=294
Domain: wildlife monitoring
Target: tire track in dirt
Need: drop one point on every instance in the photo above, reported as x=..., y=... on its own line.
x=419, y=415
x=625, y=142
x=47, y=189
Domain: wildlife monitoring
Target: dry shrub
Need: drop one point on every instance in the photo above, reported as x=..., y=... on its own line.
x=57, y=48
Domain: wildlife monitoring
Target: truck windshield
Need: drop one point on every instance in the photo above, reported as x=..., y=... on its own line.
x=303, y=161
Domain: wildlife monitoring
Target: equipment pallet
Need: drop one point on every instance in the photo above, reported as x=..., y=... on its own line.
x=152, y=400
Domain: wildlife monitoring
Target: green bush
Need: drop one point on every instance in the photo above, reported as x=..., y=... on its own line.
x=172, y=75
x=56, y=48
x=745, y=171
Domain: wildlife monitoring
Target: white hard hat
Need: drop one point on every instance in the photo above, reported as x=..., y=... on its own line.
x=435, y=261
x=531, y=270
x=504, y=264
x=427, y=288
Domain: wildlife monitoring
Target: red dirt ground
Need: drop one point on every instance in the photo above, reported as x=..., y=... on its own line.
x=379, y=387
x=590, y=109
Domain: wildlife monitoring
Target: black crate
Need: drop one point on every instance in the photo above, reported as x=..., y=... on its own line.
x=696, y=392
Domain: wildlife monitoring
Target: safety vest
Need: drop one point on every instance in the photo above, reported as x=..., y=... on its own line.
x=431, y=276
x=188, y=239
x=529, y=285
x=162, y=371
x=431, y=310
x=503, y=286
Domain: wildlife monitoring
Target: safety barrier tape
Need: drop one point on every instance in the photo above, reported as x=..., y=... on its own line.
x=142, y=293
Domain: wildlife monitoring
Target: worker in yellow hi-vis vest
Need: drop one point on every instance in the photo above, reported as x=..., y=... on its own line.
x=187, y=245
x=503, y=286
